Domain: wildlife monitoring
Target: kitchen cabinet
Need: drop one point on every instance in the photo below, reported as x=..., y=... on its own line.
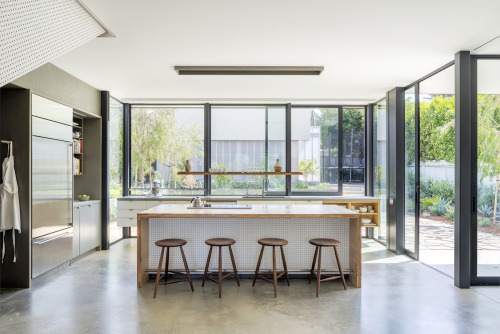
x=86, y=227
x=76, y=232
x=95, y=225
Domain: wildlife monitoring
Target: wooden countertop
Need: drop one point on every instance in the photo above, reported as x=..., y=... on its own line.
x=257, y=211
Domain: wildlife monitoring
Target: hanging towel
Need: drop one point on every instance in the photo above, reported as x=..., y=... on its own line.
x=10, y=215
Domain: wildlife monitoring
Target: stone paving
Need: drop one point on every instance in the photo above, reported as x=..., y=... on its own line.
x=435, y=235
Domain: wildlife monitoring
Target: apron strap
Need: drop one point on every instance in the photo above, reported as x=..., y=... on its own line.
x=14, y=242
x=3, y=246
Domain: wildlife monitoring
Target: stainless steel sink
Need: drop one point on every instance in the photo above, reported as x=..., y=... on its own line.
x=222, y=206
x=260, y=197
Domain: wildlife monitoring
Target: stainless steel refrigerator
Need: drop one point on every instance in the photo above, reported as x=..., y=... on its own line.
x=52, y=194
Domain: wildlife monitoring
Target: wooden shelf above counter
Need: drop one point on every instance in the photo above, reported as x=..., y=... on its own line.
x=240, y=173
x=357, y=203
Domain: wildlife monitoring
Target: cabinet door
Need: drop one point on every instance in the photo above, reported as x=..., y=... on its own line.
x=76, y=232
x=95, y=230
x=85, y=228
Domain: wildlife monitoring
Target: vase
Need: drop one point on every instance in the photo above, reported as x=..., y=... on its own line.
x=277, y=167
x=187, y=167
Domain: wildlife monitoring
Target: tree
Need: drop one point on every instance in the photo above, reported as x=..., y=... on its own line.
x=488, y=139
x=308, y=167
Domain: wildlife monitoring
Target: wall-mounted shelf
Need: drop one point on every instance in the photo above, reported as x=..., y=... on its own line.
x=240, y=173
x=77, y=146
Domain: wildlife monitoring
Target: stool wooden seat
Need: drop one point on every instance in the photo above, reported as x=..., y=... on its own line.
x=170, y=243
x=274, y=242
x=324, y=242
x=320, y=243
x=167, y=243
x=220, y=242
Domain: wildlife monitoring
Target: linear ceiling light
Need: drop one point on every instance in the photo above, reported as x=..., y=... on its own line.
x=249, y=70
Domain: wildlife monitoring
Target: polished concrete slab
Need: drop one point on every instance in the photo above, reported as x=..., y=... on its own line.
x=98, y=294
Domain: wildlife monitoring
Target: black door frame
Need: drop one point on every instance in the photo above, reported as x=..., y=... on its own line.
x=474, y=278
x=415, y=254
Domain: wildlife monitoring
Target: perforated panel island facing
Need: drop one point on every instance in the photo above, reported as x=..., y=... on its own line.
x=297, y=224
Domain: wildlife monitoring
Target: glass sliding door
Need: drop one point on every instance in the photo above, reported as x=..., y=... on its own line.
x=411, y=174
x=486, y=228
x=437, y=170
x=380, y=166
x=115, y=165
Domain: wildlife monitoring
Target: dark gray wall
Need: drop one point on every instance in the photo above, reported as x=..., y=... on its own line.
x=396, y=177
x=55, y=84
x=16, y=126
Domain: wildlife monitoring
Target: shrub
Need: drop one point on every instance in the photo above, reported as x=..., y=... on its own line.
x=440, y=208
x=428, y=202
x=300, y=185
x=485, y=210
x=437, y=188
x=450, y=213
x=484, y=222
x=486, y=197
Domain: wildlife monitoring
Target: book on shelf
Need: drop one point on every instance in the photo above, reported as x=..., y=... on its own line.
x=77, y=146
x=77, y=164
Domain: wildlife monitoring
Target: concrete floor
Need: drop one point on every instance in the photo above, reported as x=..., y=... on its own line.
x=98, y=295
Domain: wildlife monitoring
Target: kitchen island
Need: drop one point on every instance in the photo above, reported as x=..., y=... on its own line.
x=295, y=223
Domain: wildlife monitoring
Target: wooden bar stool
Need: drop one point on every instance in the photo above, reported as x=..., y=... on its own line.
x=320, y=243
x=220, y=242
x=274, y=242
x=167, y=243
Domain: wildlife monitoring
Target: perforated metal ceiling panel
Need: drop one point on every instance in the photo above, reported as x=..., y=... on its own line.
x=34, y=32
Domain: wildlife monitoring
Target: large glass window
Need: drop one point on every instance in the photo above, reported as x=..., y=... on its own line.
x=410, y=181
x=315, y=149
x=380, y=166
x=488, y=167
x=115, y=163
x=247, y=139
x=437, y=170
x=163, y=138
x=353, y=131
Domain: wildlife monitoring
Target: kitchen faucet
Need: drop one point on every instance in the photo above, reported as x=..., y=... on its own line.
x=265, y=184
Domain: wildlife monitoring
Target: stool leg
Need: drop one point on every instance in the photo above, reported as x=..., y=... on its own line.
x=314, y=264
x=220, y=271
x=318, y=278
x=234, y=265
x=275, y=280
x=166, y=264
x=158, y=273
x=340, y=267
x=258, y=265
x=187, y=269
x=284, y=265
x=206, y=267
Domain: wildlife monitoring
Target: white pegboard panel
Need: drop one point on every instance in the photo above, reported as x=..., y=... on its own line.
x=34, y=32
x=298, y=253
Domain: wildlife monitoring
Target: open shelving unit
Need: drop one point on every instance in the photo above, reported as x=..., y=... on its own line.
x=358, y=203
x=77, y=146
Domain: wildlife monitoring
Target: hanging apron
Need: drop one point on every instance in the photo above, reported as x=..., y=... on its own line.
x=10, y=214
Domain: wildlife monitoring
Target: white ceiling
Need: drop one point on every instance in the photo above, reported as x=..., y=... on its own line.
x=366, y=46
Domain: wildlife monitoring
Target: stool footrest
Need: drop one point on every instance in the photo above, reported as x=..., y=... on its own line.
x=171, y=282
x=216, y=280
x=278, y=275
x=328, y=276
